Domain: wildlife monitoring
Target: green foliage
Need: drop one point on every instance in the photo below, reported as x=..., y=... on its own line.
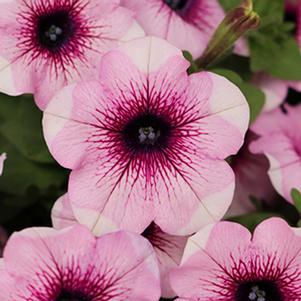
x=272, y=47
x=30, y=173
x=296, y=196
x=279, y=57
x=20, y=124
x=193, y=67
x=228, y=4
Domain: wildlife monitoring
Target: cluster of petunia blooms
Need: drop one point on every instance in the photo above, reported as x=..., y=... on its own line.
x=146, y=144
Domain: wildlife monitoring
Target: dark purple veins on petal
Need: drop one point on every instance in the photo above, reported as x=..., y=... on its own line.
x=72, y=296
x=258, y=291
x=55, y=29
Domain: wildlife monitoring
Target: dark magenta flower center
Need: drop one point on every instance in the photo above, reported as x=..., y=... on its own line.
x=258, y=291
x=55, y=29
x=177, y=5
x=146, y=132
x=70, y=296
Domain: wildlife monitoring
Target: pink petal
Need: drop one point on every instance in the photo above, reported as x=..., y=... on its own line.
x=195, y=196
x=281, y=240
x=62, y=215
x=112, y=26
x=280, y=142
x=225, y=114
x=207, y=256
x=169, y=251
x=38, y=257
x=197, y=24
x=109, y=196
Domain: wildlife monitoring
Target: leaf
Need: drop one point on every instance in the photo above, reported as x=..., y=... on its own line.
x=21, y=173
x=21, y=126
x=193, y=66
x=296, y=196
x=279, y=57
x=228, y=4
x=270, y=12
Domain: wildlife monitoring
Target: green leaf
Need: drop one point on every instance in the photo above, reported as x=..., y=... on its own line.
x=270, y=12
x=193, y=66
x=20, y=124
x=228, y=4
x=255, y=98
x=20, y=173
x=296, y=196
x=279, y=57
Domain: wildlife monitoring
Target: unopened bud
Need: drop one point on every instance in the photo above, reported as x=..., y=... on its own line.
x=236, y=23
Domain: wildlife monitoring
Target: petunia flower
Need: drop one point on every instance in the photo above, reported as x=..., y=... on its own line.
x=2, y=159
x=187, y=24
x=42, y=264
x=47, y=44
x=280, y=141
x=251, y=179
x=224, y=262
x=169, y=249
x=147, y=142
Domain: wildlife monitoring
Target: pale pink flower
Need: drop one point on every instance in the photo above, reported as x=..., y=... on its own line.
x=147, y=142
x=224, y=262
x=187, y=24
x=42, y=264
x=168, y=248
x=280, y=141
x=251, y=179
x=46, y=44
x=2, y=159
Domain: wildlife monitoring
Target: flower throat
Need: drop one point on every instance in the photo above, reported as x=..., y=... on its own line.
x=177, y=4
x=54, y=30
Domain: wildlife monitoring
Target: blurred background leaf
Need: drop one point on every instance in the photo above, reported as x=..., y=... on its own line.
x=31, y=178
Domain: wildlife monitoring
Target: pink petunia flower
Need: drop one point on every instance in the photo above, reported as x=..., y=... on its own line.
x=2, y=159
x=187, y=24
x=280, y=141
x=251, y=179
x=42, y=264
x=147, y=142
x=47, y=44
x=224, y=262
x=168, y=248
